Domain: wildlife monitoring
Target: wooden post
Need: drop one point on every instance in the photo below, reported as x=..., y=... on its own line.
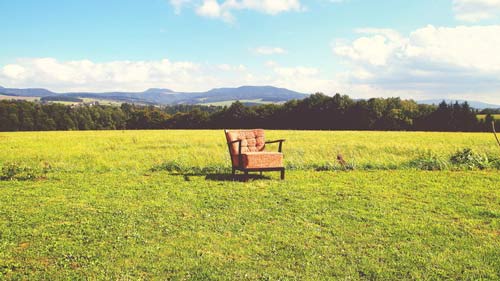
x=495, y=132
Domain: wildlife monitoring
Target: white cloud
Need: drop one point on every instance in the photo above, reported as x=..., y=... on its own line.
x=430, y=61
x=476, y=10
x=228, y=67
x=294, y=72
x=178, y=5
x=85, y=75
x=14, y=71
x=300, y=78
x=212, y=9
x=224, y=9
x=265, y=50
x=271, y=7
x=271, y=63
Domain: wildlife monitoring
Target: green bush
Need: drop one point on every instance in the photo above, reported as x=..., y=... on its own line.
x=16, y=171
x=429, y=161
x=169, y=166
x=495, y=164
x=328, y=166
x=181, y=168
x=469, y=160
x=22, y=172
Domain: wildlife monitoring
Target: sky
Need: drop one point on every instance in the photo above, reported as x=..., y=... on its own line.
x=419, y=49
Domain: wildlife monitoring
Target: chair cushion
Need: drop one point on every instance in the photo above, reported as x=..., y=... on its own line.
x=255, y=160
x=251, y=140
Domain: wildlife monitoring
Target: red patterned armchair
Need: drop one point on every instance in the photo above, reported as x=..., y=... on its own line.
x=247, y=151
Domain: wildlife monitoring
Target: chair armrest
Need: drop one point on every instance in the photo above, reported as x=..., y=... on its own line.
x=277, y=141
x=239, y=145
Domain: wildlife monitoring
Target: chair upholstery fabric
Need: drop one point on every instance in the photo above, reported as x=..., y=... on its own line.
x=251, y=140
x=252, y=150
x=256, y=160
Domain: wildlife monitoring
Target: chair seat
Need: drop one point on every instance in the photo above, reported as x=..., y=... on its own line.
x=256, y=160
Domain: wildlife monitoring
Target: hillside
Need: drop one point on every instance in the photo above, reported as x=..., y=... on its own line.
x=29, y=92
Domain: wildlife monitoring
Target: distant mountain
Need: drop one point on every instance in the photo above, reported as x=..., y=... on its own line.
x=475, y=104
x=32, y=92
x=262, y=94
x=158, y=91
x=249, y=94
x=266, y=93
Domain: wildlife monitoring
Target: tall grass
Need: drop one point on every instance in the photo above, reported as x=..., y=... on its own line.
x=206, y=151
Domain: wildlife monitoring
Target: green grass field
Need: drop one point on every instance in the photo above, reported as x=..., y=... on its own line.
x=483, y=116
x=159, y=205
x=104, y=101
x=4, y=97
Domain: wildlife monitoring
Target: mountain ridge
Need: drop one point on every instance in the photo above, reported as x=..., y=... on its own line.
x=164, y=96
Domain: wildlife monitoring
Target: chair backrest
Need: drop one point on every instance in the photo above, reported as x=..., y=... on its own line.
x=251, y=140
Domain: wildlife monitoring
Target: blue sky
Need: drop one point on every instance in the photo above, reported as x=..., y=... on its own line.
x=413, y=48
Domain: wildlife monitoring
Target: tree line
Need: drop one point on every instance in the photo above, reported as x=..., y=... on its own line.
x=317, y=112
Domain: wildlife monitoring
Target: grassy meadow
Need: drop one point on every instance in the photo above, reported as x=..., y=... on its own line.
x=160, y=205
x=5, y=97
x=483, y=116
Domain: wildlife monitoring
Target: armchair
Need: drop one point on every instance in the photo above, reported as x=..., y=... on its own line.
x=248, y=153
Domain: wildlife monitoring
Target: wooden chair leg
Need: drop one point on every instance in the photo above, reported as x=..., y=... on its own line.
x=245, y=179
x=234, y=173
x=261, y=173
x=283, y=174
